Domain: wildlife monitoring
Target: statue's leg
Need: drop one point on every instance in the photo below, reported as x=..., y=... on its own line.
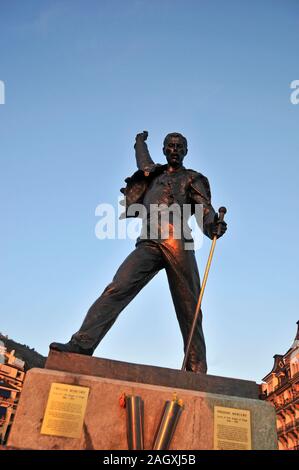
x=134, y=273
x=184, y=283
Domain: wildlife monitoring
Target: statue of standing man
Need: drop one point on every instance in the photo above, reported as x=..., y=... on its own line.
x=161, y=245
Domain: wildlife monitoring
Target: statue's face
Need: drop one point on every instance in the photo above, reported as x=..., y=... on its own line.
x=175, y=151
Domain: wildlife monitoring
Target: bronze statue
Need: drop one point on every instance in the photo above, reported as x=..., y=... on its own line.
x=152, y=185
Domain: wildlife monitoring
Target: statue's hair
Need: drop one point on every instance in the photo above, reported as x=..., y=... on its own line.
x=175, y=134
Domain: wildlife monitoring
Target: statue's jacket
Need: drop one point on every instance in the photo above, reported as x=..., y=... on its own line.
x=153, y=185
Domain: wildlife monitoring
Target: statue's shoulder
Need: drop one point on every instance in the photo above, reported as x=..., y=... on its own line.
x=146, y=176
x=137, y=184
x=195, y=174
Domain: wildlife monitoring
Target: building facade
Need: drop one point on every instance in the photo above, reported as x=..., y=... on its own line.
x=281, y=388
x=11, y=382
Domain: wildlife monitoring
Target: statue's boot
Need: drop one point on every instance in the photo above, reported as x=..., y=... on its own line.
x=195, y=365
x=198, y=367
x=70, y=347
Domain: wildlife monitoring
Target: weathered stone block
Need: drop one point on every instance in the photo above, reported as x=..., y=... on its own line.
x=105, y=421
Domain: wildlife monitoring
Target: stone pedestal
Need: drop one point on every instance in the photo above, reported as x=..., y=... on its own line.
x=105, y=421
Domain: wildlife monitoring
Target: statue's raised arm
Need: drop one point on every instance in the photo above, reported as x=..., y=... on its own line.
x=143, y=158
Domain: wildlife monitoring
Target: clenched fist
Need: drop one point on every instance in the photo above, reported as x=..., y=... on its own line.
x=142, y=136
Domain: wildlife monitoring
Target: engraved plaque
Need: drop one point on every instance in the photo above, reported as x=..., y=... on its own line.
x=232, y=429
x=65, y=410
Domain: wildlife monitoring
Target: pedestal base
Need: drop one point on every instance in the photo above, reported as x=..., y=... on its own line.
x=105, y=421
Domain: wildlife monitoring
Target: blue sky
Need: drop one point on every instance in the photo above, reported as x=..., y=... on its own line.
x=81, y=79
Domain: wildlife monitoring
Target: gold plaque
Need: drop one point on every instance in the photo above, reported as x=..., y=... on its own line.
x=232, y=429
x=65, y=410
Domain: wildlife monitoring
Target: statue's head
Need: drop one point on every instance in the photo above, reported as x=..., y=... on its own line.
x=175, y=148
